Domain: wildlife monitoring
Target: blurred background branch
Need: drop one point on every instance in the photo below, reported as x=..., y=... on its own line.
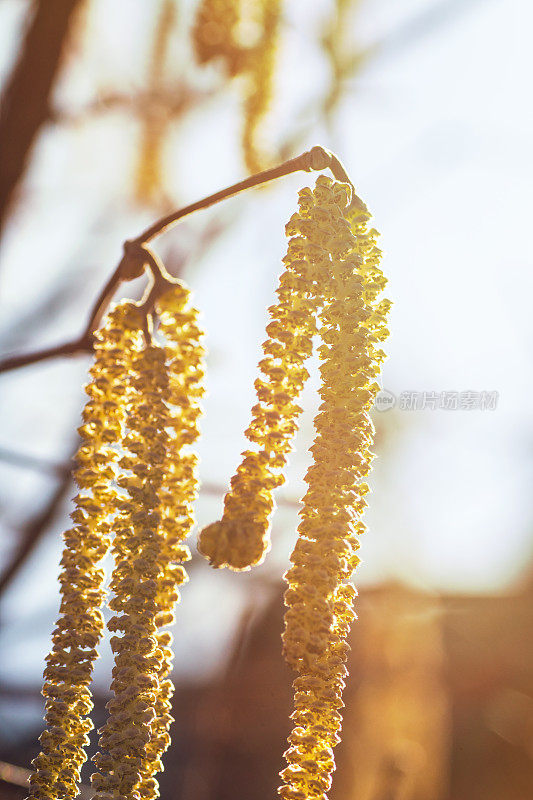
x=25, y=102
x=32, y=532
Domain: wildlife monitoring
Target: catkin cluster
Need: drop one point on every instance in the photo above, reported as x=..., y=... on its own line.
x=160, y=483
x=137, y=480
x=138, y=483
x=80, y=625
x=330, y=286
x=319, y=599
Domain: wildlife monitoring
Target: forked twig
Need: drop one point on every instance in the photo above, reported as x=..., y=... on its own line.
x=137, y=255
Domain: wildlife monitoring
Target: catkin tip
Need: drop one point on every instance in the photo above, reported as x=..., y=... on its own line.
x=235, y=545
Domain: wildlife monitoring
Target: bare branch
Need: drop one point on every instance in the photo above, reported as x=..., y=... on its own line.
x=36, y=463
x=137, y=255
x=316, y=158
x=25, y=102
x=66, y=349
x=171, y=103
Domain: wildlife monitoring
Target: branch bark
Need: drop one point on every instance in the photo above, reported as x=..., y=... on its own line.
x=26, y=99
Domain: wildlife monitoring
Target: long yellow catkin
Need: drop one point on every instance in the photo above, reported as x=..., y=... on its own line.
x=160, y=482
x=241, y=538
x=80, y=624
x=319, y=598
x=178, y=493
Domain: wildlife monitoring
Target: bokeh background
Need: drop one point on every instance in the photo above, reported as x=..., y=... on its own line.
x=109, y=120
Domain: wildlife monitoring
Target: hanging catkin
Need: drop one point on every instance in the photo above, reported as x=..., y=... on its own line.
x=153, y=520
x=80, y=624
x=179, y=490
x=241, y=538
x=319, y=598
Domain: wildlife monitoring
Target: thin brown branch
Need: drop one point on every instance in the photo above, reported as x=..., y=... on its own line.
x=171, y=103
x=317, y=158
x=74, y=347
x=137, y=256
x=84, y=343
x=25, y=101
x=103, y=300
x=35, y=463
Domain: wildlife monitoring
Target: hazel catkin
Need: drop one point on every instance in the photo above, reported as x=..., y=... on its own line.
x=80, y=624
x=241, y=538
x=159, y=478
x=319, y=598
